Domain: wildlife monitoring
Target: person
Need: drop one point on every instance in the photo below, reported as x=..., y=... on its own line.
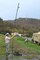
x=26, y=39
x=7, y=41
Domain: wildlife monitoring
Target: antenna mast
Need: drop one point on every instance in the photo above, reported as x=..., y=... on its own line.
x=17, y=11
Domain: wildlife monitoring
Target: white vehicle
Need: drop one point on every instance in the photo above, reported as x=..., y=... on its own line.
x=36, y=37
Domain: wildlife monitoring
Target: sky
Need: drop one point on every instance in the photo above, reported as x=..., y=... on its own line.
x=27, y=9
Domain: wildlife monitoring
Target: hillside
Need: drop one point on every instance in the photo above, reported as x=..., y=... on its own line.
x=21, y=25
x=27, y=24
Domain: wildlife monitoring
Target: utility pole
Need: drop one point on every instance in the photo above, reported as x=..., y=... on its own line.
x=16, y=15
x=17, y=11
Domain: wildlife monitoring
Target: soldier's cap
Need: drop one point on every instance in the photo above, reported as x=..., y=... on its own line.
x=7, y=34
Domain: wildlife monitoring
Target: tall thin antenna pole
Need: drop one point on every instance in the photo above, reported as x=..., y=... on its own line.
x=17, y=11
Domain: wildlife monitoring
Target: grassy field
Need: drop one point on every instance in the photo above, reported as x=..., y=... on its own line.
x=2, y=45
x=20, y=46
x=29, y=47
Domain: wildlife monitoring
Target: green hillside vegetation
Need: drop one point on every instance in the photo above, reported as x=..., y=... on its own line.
x=21, y=25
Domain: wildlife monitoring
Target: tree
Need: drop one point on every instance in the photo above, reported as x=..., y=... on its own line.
x=1, y=19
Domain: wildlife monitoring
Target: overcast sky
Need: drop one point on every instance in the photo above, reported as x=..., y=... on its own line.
x=28, y=9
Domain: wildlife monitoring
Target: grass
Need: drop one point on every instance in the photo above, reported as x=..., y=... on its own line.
x=28, y=45
x=19, y=45
x=2, y=45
